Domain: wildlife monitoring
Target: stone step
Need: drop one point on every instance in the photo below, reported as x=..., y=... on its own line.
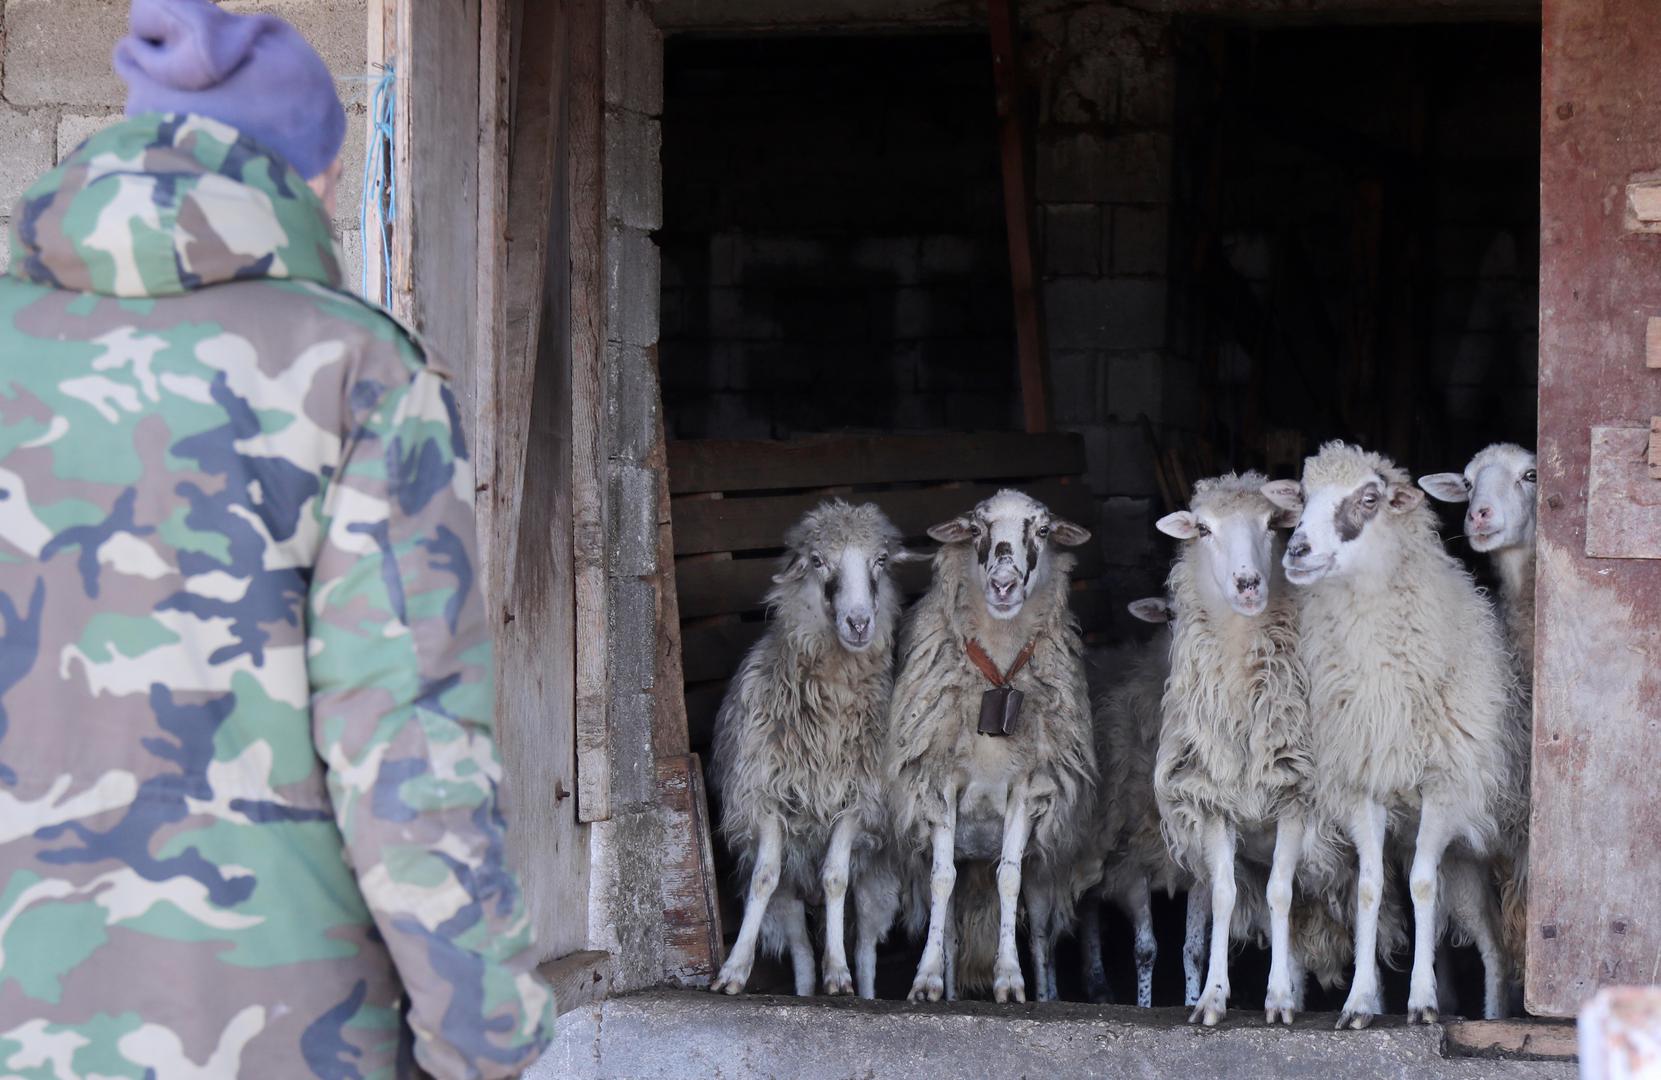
x=680, y=1034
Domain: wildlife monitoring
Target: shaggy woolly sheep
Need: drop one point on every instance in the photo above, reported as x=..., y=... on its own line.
x=1409, y=687
x=1232, y=772
x=1000, y=585
x=798, y=749
x=1500, y=486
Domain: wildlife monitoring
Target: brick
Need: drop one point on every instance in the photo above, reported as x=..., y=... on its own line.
x=28, y=143
x=1072, y=239
x=634, y=59
x=1140, y=240
x=1086, y=167
x=1115, y=313
x=76, y=128
x=1134, y=386
x=634, y=171
x=1074, y=375
x=47, y=62
x=631, y=287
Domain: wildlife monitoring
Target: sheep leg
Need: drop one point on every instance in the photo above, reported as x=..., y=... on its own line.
x=1300, y=979
x=764, y=879
x=1366, y=827
x=1279, y=1002
x=1470, y=901
x=1219, y=862
x=1090, y=935
x=1193, y=945
x=951, y=948
x=1040, y=914
x=834, y=879
x=793, y=915
x=930, y=982
x=1138, y=904
x=1424, y=883
x=876, y=903
x=1006, y=972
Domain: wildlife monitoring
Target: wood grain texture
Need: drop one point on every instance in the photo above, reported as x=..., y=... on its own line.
x=579, y=978
x=1595, y=885
x=585, y=154
x=692, y=920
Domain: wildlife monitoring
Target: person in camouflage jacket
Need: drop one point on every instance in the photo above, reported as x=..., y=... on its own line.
x=248, y=789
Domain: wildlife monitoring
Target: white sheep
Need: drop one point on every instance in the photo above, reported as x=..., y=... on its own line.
x=798, y=749
x=1232, y=774
x=1409, y=686
x=1000, y=587
x=1500, y=486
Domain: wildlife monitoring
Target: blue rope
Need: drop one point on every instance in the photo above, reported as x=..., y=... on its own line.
x=379, y=204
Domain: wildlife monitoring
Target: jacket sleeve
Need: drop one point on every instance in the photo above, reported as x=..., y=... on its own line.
x=400, y=667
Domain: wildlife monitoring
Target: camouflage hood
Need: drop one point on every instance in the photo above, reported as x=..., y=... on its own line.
x=161, y=205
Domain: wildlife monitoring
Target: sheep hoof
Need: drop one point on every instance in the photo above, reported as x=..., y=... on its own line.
x=1278, y=1016
x=838, y=981
x=1421, y=1016
x=927, y=988
x=1211, y=1008
x=1354, y=1020
x=1278, y=1005
x=729, y=983
x=1008, y=984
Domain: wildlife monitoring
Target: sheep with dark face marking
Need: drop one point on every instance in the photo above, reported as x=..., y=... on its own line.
x=1000, y=587
x=798, y=749
x=1410, y=685
x=1500, y=486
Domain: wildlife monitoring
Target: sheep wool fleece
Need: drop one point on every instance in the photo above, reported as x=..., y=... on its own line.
x=248, y=811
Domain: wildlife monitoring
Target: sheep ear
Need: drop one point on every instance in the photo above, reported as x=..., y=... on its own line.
x=904, y=555
x=1067, y=534
x=1182, y=525
x=1153, y=609
x=793, y=571
x=1285, y=494
x=1447, y=486
x=954, y=531
x=1404, y=497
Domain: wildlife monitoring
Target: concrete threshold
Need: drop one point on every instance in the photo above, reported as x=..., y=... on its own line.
x=681, y=1034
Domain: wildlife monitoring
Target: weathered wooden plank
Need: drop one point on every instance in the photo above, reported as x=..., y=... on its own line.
x=584, y=111
x=496, y=77
x=757, y=524
x=1595, y=886
x=669, y=721
x=1018, y=210
x=578, y=978
x=691, y=911
x=735, y=465
x=1623, y=501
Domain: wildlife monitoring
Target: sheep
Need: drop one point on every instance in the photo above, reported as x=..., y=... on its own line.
x=1500, y=484
x=1409, y=684
x=1136, y=862
x=1000, y=586
x=798, y=749
x=1232, y=772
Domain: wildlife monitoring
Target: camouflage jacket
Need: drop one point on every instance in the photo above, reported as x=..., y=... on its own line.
x=248, y=815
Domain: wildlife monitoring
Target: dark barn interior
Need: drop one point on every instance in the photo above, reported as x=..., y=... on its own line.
x=1351, y=252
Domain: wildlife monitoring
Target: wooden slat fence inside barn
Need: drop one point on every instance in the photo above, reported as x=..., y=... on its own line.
x=733, y=499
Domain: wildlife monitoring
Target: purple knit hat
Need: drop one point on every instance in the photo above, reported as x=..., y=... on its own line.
x=253, y=72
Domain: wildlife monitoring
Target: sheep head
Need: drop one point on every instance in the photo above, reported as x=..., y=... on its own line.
x=1014, y=537
x=1344, y=508
x=1229, y=530
x=1499, y=486
x=838, y=572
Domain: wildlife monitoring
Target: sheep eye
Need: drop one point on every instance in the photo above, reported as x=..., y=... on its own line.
x=1529, y=477
x=882, y=560
x=1467, y=483
x=1043, y=530
x=974, y=530
x=1205, y=530
x=817, y=561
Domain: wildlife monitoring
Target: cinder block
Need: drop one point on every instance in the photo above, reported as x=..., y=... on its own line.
x=631, y=402
x=951, y=256
x=733, y=317
x=634, y=169
x=631, y=287
x=1135, y=382
x=349, y=197
x=634, y=59
x=76, y=128
x=337, y=29
x=633, y=540
x=5, y=245
x=1072, y=167
x=889, y=258
x=28, y=145
x=1072, y=239
x=1074, y=375
x=1115, y=313
x=50, y=53
x=1140, y=239
x=351, y=250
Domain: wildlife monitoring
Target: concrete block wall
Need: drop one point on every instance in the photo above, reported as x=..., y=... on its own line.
x=57, y=87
